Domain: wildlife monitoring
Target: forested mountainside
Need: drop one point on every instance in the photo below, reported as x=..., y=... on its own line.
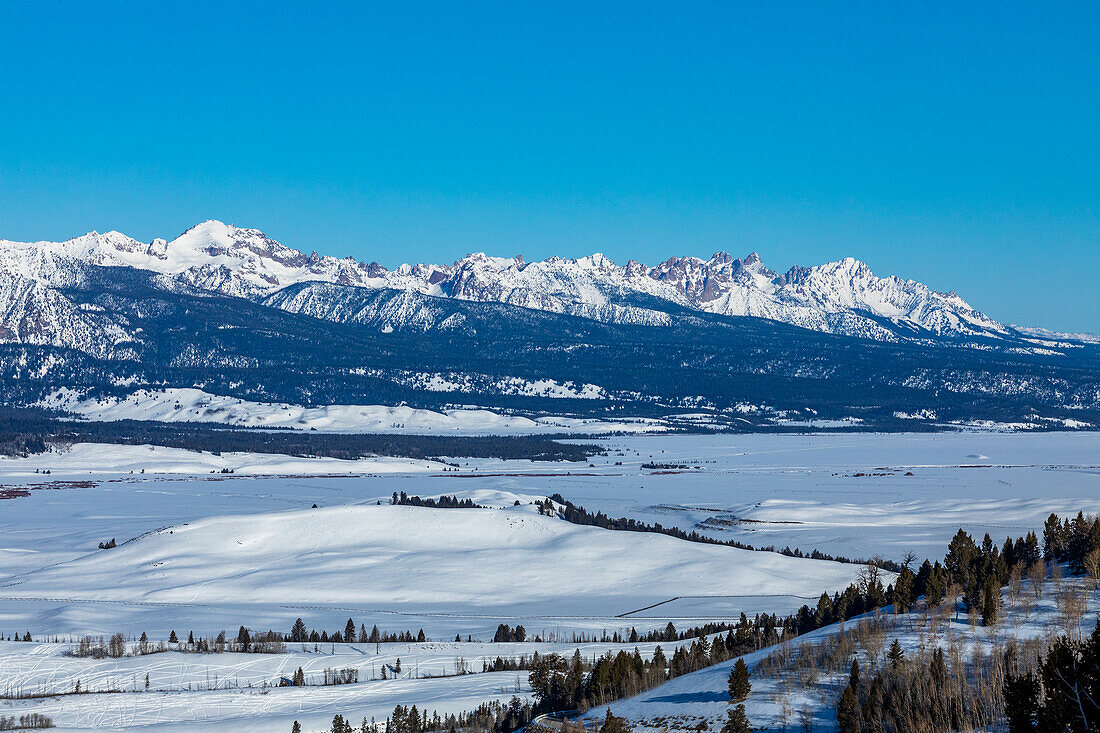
x=344, y=344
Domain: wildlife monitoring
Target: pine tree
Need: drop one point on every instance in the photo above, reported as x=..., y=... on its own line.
x=847, y=712
x=349, y=631
x=244, y=639
x=172, y=638
x=903, y=591
x=296, y=728
x=1021, y=695
x=739, y=685
x=298, y=631
x=991, y=601
x=737, y=721
x=936, y=587
x=895, y=654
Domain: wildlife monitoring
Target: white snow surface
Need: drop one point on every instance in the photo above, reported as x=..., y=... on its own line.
x=99, y=459
x=194, y=405
x=417, y=559
x=465, y=571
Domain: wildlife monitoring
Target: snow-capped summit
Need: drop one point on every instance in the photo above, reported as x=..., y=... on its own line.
x=840, y=297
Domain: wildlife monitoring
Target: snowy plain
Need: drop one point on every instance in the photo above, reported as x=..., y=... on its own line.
x=211, y=551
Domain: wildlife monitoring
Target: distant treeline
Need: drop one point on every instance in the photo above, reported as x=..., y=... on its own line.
x=579, y=515
x=29, y=431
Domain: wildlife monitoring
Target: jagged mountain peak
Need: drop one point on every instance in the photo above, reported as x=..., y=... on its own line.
x=842, y=296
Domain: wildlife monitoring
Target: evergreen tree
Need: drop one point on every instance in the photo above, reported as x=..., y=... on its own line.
x=1021, y=696
x=895, y=654
x=739, y=685
x=737, y=721
x=244, y=639
x=936, y=587
x=296, y=728
x=349, y=631
x=903, y=591
x=961, y=553
x=848, y=713
x=823, y=614
x=298, y=631
x=991, y=602
x=614, y=724
x=172, y=638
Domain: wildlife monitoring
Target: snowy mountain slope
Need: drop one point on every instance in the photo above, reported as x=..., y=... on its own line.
x=840, y=297
x=32, y=312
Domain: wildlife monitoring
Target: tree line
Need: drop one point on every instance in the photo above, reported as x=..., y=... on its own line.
x=571, y=512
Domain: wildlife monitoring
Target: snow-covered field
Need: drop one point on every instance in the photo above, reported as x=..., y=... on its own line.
x=489, y=563
x=203, y=550
x=232, y=691
x=193, y=405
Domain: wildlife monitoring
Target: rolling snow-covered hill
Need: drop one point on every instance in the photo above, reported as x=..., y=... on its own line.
x=414, y=559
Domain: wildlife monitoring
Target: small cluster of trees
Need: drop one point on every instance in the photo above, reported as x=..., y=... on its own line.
x=1075, y=541
x=25, y=722
x=443, y=502
x=99, y=648
x=507, y=633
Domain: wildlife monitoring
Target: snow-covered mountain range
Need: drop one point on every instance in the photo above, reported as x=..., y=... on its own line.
x=842, y=297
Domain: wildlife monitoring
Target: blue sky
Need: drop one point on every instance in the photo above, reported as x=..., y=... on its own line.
x=953, y=143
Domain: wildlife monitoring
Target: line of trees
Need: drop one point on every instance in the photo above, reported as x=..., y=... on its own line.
x=352, y=635
x=571, y=512
x=489, y=717
x=443, y=502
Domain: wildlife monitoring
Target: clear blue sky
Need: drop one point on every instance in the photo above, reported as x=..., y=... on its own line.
x=953, y=143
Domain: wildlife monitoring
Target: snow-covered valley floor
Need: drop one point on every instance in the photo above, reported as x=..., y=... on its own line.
x=204, y=550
